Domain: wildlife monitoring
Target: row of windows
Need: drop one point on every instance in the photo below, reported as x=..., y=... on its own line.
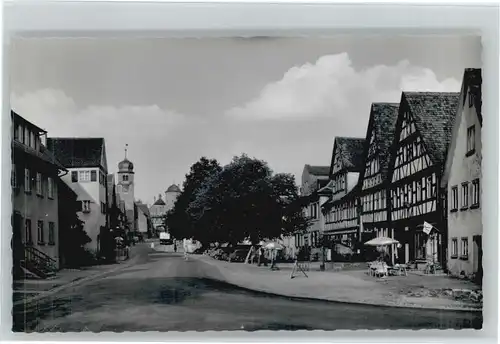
x=28, y=237
x=25, y=136
x=409, y=152
x=342, y=212
x=415, y=192
x=469, y=191
x=84, y=207
x=44, y=186
x=339, y=183
x=372, y=167
x=464, y=248
x=86, y=176
x=313, y=208
x=374, y=201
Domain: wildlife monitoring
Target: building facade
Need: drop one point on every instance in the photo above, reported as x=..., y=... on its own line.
x=143, y=220
x=158, y=211
x=313, y=179
x=374, y=184
x=85, y=160
x=462, y=179
x=418, y=153
x=34, y=180
x=341, y=210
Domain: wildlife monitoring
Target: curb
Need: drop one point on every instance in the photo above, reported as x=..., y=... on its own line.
x=75, y=283
x=333, y=300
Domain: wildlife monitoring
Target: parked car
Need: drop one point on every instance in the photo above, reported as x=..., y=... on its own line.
x=238, y=255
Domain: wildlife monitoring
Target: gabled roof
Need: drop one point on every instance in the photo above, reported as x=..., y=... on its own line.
x=472, y=82
x=351, y=153
x=42, y=154
x=159, y=201
x=433, y=113
x=318, y=170
x=383, y=118
x=143, y=207
x=78, y=152
x=16, y=118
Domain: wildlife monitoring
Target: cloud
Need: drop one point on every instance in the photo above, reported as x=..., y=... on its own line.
x=333, y=88
x=154, y=135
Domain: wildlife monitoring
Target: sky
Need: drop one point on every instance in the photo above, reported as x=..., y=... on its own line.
x=174, y=100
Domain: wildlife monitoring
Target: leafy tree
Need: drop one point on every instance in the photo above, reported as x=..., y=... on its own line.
x=245, y=201
x=178, y=221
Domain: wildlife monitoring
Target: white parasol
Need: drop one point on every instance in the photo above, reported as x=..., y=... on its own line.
x=273, y=246
x=381, y=241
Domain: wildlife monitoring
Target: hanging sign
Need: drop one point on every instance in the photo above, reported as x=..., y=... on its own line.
x=427, y=227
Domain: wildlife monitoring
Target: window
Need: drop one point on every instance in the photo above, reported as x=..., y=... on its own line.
x=13, y=176
x=454, y=198
x=27, y=180
x=39, y=190
x=50, y=187
x=52, y=236
x=74, y=176
x=103, y=208
x=86, y=206
x=32, y=140
x=27, y=137
x=93, y=176
x=475, y=193
x=40, y=232
x=464, y=253
x=465, y=195
x=16, y=132
x=84, y=176
x=471, y=140
x=454, y=248
x=125, y=177
x=27, y=232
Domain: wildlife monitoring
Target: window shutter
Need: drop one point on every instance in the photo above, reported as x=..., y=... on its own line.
x=93, y=176
x=74, y=176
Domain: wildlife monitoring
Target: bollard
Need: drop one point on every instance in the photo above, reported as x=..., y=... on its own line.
x=152, y=245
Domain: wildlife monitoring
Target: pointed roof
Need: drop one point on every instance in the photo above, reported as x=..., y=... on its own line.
x=143, y=207
x=159, y=201
x=351, y=152
x=78, y=152
x=318, y=170
x=383, y=118
x=433, y=113
x=173, y=188
x=471, y=84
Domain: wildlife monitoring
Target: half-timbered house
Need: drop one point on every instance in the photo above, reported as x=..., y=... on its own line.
x=462, y=179
x=374, y=191
x=341, y=210
x=418, y=153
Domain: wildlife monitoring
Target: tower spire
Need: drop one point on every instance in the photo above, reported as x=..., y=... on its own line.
x=126, y=147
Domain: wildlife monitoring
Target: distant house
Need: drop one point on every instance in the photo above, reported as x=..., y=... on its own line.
x=313, y=179
x=341, y=210
x=85, y=159
x=418, y=154
x=462, y=179
x=374, y=191
x=158, y=211
x=35, y=206
x=143, y=219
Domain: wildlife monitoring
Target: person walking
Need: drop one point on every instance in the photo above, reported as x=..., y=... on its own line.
x=175, y=246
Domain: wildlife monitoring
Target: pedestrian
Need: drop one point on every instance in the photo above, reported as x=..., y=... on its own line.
x=175, y=247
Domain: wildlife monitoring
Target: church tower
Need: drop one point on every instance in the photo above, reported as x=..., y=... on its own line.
x=126, y=187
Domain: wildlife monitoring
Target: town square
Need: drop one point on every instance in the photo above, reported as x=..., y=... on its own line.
x=317, y=190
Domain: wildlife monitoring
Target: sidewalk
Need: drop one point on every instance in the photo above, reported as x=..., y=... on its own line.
x=351, y=285
x=28, y=290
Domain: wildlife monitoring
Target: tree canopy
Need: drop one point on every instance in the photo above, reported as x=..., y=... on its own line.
x=243, y=200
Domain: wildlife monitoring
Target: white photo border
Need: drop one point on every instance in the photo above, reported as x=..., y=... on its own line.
x=218, y=19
